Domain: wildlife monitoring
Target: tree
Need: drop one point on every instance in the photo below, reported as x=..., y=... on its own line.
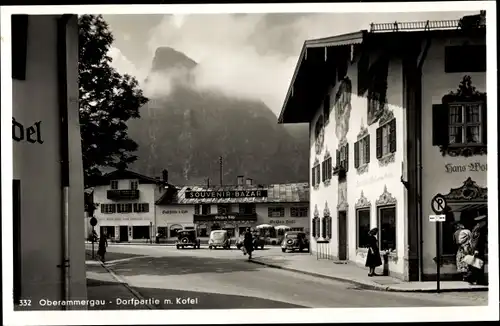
x=107, y=101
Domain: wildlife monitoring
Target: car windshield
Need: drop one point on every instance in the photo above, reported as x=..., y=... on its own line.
x=218, y=235
x=292, y=235
x=186, y=234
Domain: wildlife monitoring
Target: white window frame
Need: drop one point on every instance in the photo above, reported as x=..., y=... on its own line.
x=298, y=211
x=134, y=182
x=276, y=209
x=108, y=208
x=112, y=183
x=139, y=208
x=119, y=208
x=464, y=124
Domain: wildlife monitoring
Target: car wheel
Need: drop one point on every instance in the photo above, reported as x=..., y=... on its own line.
x=262, y=247
x=283, y=250
x=178, y=247
x=210, y=247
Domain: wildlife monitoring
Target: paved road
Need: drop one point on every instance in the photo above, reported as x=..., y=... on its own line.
x=224, y=279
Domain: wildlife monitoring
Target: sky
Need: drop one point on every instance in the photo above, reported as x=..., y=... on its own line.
x=251, y=56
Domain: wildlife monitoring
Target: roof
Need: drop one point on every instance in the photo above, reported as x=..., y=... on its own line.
x=126, y=174
x=309, y=80
x=276, y=193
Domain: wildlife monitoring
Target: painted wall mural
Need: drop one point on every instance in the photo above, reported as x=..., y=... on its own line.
x=343, y=109
x=319, y=133
x=377, y=90
x=342, y=197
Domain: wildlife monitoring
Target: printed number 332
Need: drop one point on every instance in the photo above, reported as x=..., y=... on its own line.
x=25, y=303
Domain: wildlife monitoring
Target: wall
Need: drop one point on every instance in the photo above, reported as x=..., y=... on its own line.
x=435, y=178
x=293, y=222
x=371, y=182
x=179, y=214
x=37, y=167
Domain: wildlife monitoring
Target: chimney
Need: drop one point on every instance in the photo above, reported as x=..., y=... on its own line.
x=164, y=175
x=240, y=180
x=249, y=182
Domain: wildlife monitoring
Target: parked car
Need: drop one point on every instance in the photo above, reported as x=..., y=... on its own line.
x=295, y=240
x=187, y=238
x=219, y=238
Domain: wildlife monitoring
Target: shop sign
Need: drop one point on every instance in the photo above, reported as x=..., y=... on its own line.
x=471, y=167
x=226, y=194
x=282, y=222
x=224, y=217
x=174, y=211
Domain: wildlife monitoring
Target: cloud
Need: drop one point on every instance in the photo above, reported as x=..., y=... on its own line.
x=253, y=55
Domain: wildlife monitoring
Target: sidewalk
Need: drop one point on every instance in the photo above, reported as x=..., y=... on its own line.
x=109, y=291
x=350, y=273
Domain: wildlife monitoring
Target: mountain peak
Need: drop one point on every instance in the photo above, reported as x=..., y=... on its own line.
x=167, y=58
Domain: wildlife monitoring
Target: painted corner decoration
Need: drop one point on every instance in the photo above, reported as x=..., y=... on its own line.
x=316, y=211
x=377, y=90
x=386, y=116
x=319, y=133
x=469, y=191
x=386, y=198
x=326, y=211
x=460, y=122
x=363, y=130
x=362, y=202
x=343, y=109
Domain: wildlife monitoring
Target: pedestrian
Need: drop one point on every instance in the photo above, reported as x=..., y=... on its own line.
x=103, y=243
x=248, y=243
x=373, y=259
x=462, y=238
x=478, y=247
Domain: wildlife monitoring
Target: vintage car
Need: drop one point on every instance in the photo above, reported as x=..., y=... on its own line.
x=295, y=240
x=187, y=238
x=219, y=238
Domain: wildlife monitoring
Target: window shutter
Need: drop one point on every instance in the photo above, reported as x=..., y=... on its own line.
x=196, y=209
x=392, y=136
x=323, y=224
x=102, y=208
x=379, y=142
x=329, y=168
x=440, y=125
x=323, y=177
x=367, y=149
x=317, y=174
x=313, y=177
x=484, y=123
x=356, y=154
x=338, y=158
x=346, y=167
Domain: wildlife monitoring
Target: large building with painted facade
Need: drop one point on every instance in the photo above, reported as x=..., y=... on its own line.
x=135, y=208
x=49, y=252
x=396, y=117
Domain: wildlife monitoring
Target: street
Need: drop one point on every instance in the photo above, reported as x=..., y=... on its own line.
x=224, y=279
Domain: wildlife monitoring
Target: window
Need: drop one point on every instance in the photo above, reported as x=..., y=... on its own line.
x=363, y=227
x=141, y=208
x=299, y=211
x=134, y=185
x=197, y=209
x=173, y=230
x=247, y=208
x=327, y=169
x=387, y=223
x=109, y=231
x=464, y=123
x=205, y=209
x=223, y=209
x=386, y=139
x=315, y=227
x=114, y=184
x=124, y=208
x=326, y=108
x=316, y=175
x=343, y=157
x=108, y=208
x=141, y=232
x=276, y=211
x=326, y=227
x=162, y=231
x=362, y=151
x=465, y=58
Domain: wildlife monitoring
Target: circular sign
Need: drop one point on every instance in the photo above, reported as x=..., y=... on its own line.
x=93, y=221
x=438, y=204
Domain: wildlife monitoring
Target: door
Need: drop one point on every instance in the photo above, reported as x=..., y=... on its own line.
x=342, y=235
x=123, y=233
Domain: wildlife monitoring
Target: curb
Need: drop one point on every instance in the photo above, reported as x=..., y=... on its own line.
x=124, y=283
x=365, y=286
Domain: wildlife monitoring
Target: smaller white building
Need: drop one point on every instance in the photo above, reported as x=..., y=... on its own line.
x=125, y=205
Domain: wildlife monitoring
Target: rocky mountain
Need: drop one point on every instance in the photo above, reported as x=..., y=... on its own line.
x=187, y=130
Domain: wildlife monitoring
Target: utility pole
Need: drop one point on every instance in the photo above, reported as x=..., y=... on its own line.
x=220, y=166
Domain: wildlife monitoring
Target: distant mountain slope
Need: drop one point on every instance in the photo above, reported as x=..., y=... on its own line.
x=187, y=130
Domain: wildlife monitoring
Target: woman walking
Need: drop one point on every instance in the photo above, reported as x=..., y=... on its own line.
x=462, y=238
x=248, y=243
x=103, y=243
x=373, y=259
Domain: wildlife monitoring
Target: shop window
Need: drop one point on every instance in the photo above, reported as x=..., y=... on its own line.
x=141, y=208
x=205, y=209
x=315, y=227
x=141, y=232
x=387, y=229
x=223, y=209
x=174, y=229
x=276, y=211
x=134, y=184
x=465, y=58
x=362, y=151
x=114, y=184
x=108, y=231
x=386, y=139
x=326, y=166
x=326, y=227
x=162, y=231
x=124, y=208
x=362, y=227
x=343, y=157
x=108, y=208
x=299, y=211
x=247, y=209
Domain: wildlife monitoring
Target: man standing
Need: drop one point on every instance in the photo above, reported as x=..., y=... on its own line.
x=248, y=243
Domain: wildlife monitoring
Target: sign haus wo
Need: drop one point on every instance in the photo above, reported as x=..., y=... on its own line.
x=226, y=194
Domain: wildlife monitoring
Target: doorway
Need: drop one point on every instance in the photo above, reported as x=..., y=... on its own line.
x=342, y=217
x=123, y=233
